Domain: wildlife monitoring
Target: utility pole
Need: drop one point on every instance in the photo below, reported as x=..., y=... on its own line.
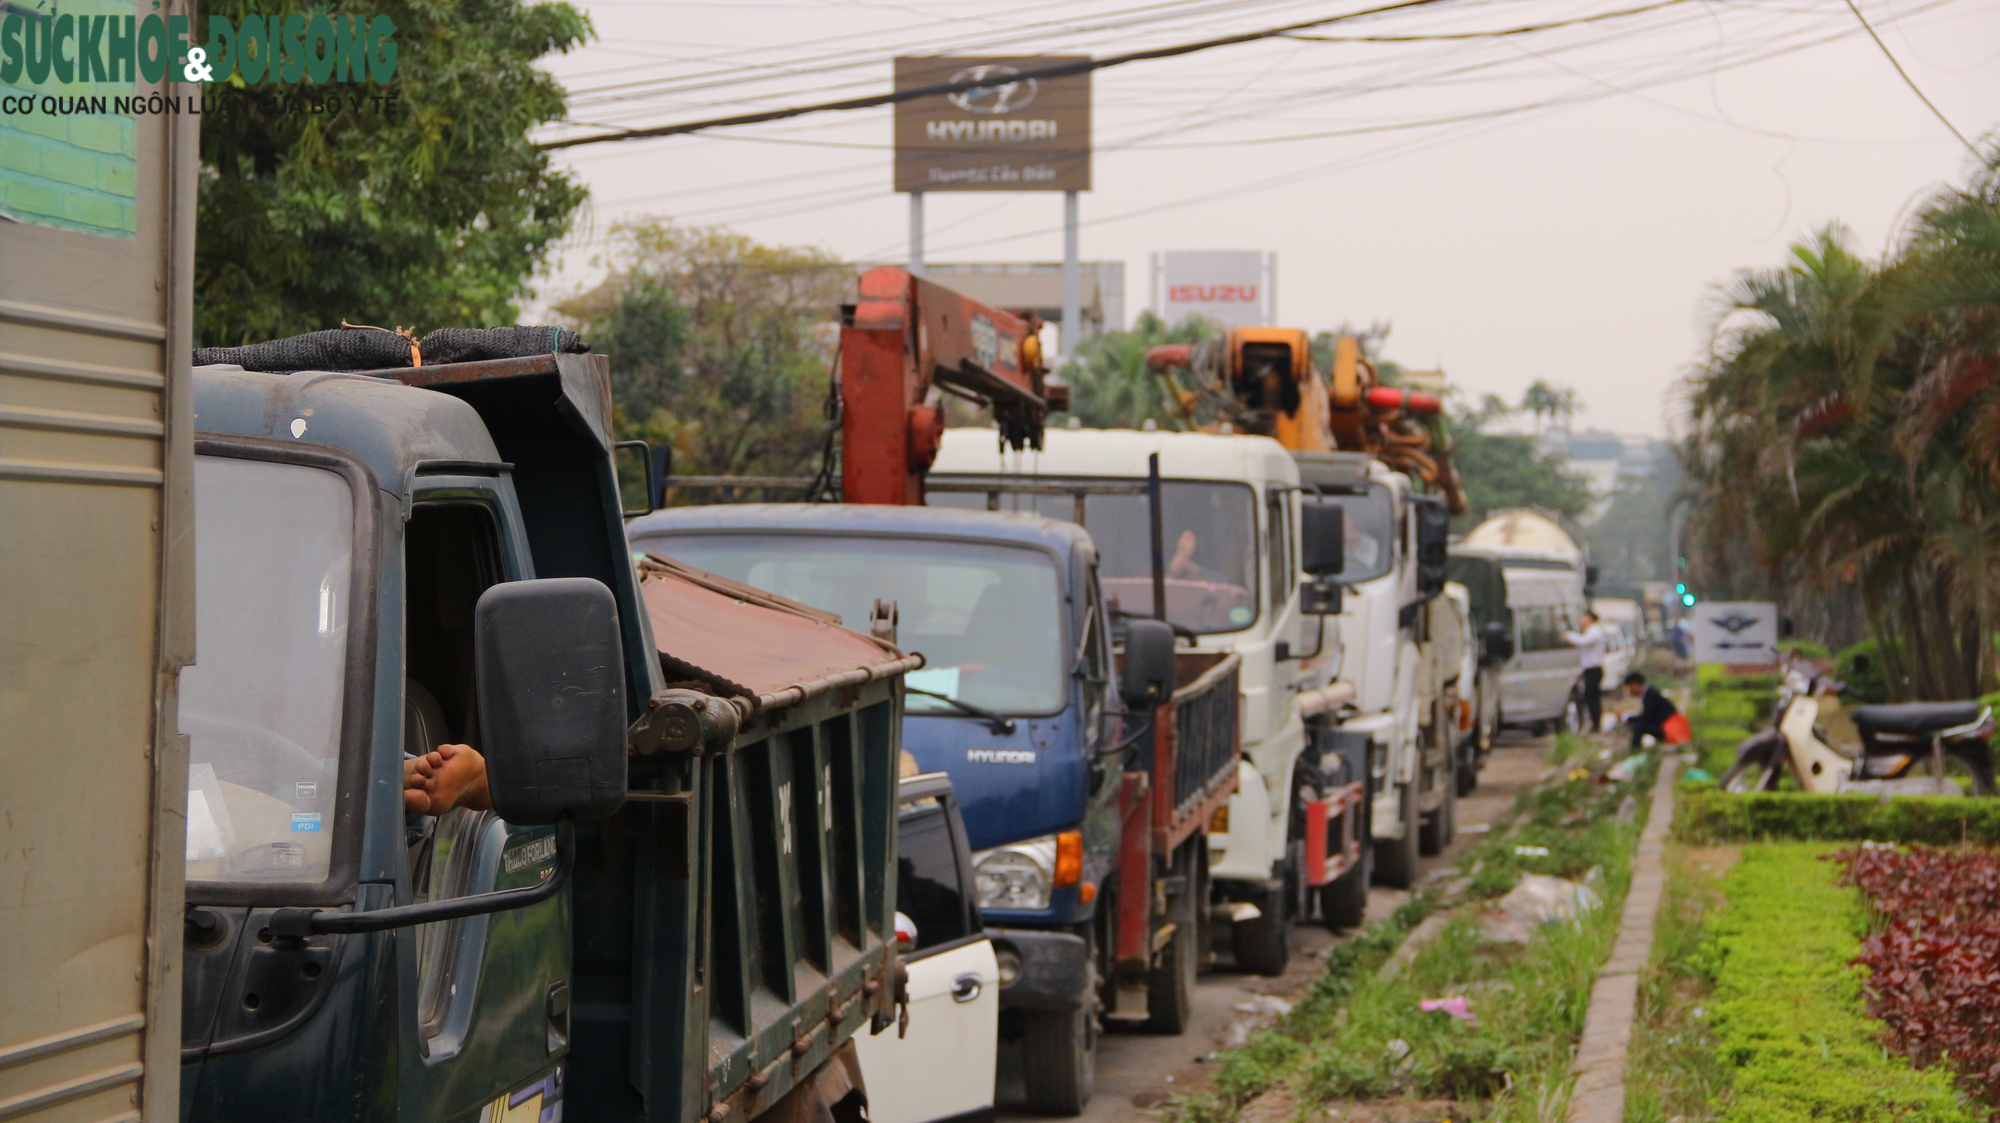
x=916, y=233
x=1072, y=313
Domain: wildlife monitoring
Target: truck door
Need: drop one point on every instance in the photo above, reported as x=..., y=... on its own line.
x=489, y=1004
x=943, y=1066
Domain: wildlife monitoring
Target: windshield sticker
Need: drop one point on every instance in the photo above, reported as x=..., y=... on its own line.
x=306, y=791
x=521, y=857
x=305, y=821
x=1000, y=756
x=937, y=680
x=1240, y=615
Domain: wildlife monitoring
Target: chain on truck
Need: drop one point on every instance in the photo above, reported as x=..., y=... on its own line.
x=1088, y=825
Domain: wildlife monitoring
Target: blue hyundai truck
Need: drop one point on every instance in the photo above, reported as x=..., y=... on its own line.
x=1052, y=741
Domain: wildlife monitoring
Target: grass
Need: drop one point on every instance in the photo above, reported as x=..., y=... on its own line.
x=1751, y=1012
x=1673, y=1073
x=1361, y=1036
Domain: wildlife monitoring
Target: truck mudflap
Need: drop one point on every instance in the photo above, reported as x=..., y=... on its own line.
x=1051, y=970
x=1333, y=833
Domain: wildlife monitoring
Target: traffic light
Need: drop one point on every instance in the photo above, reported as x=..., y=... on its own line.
x=1687, y=598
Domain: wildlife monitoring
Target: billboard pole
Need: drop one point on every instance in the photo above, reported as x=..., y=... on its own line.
x=1072, y=313
x=916, y=233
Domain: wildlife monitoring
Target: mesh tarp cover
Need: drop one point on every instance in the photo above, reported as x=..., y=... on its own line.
x=378, y=349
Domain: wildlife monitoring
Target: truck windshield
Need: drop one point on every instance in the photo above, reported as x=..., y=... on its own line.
x=261, y=705
x=1208, y=532
x=987, y=618
x=1371, y=533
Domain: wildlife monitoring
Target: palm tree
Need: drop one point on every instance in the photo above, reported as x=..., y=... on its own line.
x=1845, y=438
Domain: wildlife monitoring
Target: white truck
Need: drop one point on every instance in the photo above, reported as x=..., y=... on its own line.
x=1236, y=550
x=1404, y=646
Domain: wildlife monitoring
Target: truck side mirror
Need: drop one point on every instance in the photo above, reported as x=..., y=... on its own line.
x=639, y=489
x=551, y=677
x=1433, y=544
x=1322, y=539
x=1498, y=645
x=1146, y=676
x=550, y=672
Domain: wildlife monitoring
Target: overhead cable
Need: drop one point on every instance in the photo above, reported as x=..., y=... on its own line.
x=1908, y=81
x=938, y=89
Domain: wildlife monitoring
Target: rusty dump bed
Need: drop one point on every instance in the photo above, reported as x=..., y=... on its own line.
x=738, y=934
x=756, y=648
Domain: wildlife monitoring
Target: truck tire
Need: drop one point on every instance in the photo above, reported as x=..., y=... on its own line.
x=1058, y=1059
x=1263, y=944
x=1441, y=827
x=1396, y=858
x=1170, y=984
x=1343, y=902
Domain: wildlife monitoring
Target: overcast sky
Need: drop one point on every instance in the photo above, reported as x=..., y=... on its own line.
x=1554, y=205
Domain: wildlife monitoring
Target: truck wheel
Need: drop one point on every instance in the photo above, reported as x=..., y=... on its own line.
x=1478, y=744
x=1343, y=902
x=1396, y=858
x=1438, y=830
x=1058, y=1059
x=1263, y=945
x=1170, y=986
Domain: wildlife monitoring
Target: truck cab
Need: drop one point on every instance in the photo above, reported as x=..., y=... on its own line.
x=1015, y=704
x=1403, y=646
x=678, y=907
x=1230, y=540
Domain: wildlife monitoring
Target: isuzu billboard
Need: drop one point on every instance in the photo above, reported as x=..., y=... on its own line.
x=1230, y=287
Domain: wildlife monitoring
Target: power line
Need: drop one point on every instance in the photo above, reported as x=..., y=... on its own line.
x=936, y=89
x=1908, y=81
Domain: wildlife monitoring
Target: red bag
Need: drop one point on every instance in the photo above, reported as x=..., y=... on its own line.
x=1677, y=730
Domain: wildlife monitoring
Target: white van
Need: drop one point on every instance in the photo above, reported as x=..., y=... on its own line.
x=1521, y=606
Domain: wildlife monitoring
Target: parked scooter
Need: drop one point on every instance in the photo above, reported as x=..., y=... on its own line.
x=1911, y=748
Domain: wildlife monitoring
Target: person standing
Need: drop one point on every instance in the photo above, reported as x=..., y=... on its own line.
x=1590, y=643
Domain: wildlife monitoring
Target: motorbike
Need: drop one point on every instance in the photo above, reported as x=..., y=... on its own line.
x=1909, y=748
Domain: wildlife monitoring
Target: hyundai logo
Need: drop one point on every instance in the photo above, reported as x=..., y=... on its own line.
x=1005, y=95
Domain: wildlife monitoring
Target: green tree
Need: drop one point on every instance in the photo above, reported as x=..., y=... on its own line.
x=1110, y=387
x=720, y=346
x=434, y=213
x=1550, y=405
x=1502, y=470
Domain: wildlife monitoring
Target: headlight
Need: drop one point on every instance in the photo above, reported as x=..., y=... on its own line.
x=1016, y=876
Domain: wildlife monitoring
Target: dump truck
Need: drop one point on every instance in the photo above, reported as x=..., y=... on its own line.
x=96, y=557
x=677, y=903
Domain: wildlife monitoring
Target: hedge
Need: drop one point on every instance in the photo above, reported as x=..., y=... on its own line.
x=1787, y=1012
x=1704, y=815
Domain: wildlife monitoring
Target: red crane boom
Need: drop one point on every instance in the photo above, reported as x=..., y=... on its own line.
x=905, y=337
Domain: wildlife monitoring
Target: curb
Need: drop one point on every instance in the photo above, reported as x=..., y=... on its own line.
x=1598, y=1096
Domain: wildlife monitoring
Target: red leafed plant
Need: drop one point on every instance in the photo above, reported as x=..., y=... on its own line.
x=1934, y=962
